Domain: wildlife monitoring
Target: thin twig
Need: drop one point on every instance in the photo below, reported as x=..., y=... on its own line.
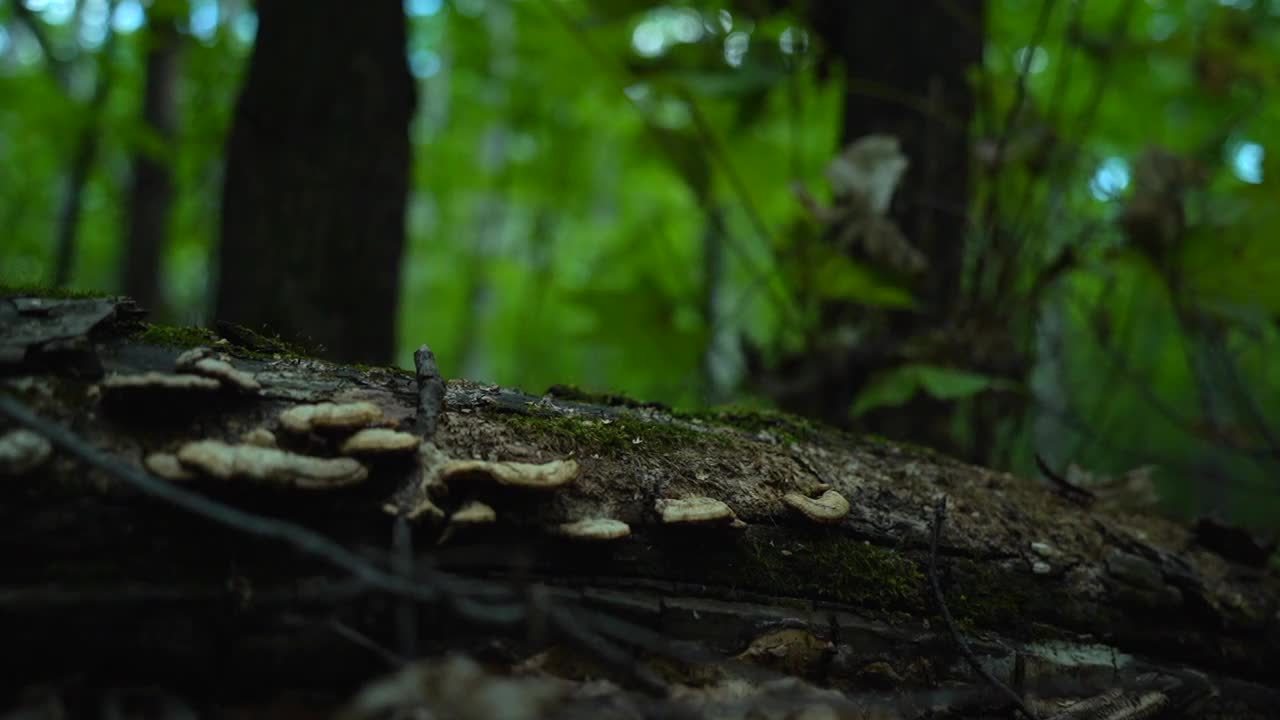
x=406, y=621
x=362, y=640
x=1066, y=486
x=939, y=515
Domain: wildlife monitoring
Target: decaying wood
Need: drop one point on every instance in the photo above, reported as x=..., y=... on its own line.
x=590, y=559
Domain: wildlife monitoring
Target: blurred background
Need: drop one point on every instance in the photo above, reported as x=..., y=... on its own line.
x=1001, y=228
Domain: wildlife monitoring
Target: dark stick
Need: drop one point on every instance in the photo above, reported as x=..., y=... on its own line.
x=406, y=610
x=430, y=392
x=939, y=515
x=1063, y=484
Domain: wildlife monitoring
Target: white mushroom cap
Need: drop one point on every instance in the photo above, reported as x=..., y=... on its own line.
x=595, y=529
x=261, y=437
x=474, y=513
x=269, y=465
x=121, y=383
x=544, y=476
x=166, y=465
x=830, y=507
x=380, y=441
x=694, y=511
x=22, y=451
x=219, y=370
x=330, y=416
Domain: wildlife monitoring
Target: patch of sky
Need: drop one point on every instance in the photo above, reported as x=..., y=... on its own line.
x=424, y=63
x=95, y=23
x=1109, y=179
x=1245, y=159
x=422, y=8
x=128, y=17
x=664, y=27
x=204, y=19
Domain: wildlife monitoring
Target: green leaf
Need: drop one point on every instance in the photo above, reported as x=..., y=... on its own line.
x=839, y=277
x=895, y=387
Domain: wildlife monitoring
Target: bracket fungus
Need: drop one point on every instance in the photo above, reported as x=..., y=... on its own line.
x=122, y=385
x=167, y=466
x=534, y=476
x=200, y=361
x=595, y=530
x=330, y=416
x=829, y=507
x=261, y=437
x=22, y=451
x=474, y=513
x=380, y=441
x=269, y=465
x=156, y=394
x=694, y=511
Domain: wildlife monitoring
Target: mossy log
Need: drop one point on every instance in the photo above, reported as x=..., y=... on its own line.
x=106, y=588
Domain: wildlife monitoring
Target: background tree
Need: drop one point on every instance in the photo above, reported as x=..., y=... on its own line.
x=316, y=180
x=151, y=188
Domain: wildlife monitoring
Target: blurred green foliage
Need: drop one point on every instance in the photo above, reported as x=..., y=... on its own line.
x=603, y=195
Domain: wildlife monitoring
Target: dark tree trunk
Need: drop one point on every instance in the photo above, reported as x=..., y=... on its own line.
x=151, y=192
x=317, y=176
x=906, y=76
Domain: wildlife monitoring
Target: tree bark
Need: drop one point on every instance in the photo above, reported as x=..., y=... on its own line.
x=313, y=216
x=151, y=191
x=112, y=582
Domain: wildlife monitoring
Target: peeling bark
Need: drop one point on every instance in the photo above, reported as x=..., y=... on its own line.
x=120, y=590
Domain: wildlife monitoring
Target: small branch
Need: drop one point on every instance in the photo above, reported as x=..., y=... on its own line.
x=1066, y=486
x=939, y=515
x=406, y=621
x=430, y=392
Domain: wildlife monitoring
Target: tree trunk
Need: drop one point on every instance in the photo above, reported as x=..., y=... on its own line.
x=151, y=193
x=906, y=75
x=313, y=216
x=114, y=579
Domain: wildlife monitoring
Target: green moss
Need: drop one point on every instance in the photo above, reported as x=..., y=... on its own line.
x=58, y=293
x=788, y=428
x=175, y=336
x=838, y=569
x=610, y=436
x=258, y=344
x=363, y=368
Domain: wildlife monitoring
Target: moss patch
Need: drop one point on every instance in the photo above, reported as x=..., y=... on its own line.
x=175, y=336
x=837, y=569
x=57, y=293
x=609, y=437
